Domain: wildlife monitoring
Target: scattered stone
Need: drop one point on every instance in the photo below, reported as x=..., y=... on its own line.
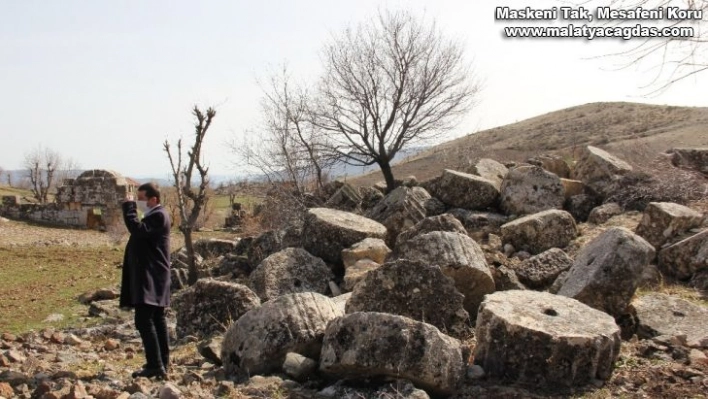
x=459, y=257
x=258, y=341
x=572, y=188
x=289, y=271
x=327, y=232
x=475, y=372
x=505, y=279
x=607, y=270
x=489, y=169
x=264, y=245
x=661, y=314
x=210, y=306
x=374, y=249
x=357, y=272
x=598, y=169
x=72, y=339
x=540, y=231
x=210, y=349
x=370, y=197
x=662, y=221
x=604, y=212
x=340, y=301
x=462, y=190
x=367, y=344
x=551, y=163
x=530, y=189
x=347, y=198
x=6, y=390
x=540, y=271
x=399, y=210
x=170, y=391
x=298, y=367
x=111, y=344
x=412, y=289
x=541, y=339
x=686, y=257
x=214, y=247
x=479, y=224
x=691, y=158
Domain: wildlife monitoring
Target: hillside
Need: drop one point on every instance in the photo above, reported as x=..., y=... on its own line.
x=630, y=130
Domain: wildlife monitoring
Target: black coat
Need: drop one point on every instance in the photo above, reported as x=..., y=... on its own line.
x=146, y=263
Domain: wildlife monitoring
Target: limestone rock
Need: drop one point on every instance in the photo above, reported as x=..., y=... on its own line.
x=214, y=247
x=445, y=222
x=489, y=169
x=259, y=341
x=686, y=257
x=355, y=273
x=299, y=367
x=209, y=306
x=340, y=301
x=459, y=257
x=604, y=212
x=572, y=187
x=662, y=221
x=540, y=271
x=661, y=314
x=370, y=248
x=368, y=344
x=505, y=279
x=462, y=190
x=479, y=224
x=210, y=349
x=692, y=158
x=328, y=231
x=540, y=231
x=289, y=271
x=541, y=339
x=530, y=189
x=552, y=163
x=370, y=197
x=607, y=271
x=400, y=209
x=264, y=245
x=599, y=169
x=347, y=198
x=412, y=289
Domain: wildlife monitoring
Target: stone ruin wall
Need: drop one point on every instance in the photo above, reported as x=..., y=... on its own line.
x=92, y=200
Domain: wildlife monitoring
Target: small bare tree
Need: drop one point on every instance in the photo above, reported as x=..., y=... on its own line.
x=191, y=199
x=387, y=84
x=288, y=148
x=42, y=165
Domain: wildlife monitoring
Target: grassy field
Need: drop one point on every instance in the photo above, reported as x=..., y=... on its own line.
x=39, y=281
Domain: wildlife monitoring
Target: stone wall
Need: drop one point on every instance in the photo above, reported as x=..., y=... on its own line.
x=92, y=200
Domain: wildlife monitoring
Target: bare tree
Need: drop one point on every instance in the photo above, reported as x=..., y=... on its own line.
x=388, y=83
x=2, y=171
x=671, y=59
x=42, y=165
x=190, y=199
x=288, y=148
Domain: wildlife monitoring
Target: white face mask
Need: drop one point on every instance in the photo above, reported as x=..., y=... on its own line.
x=143, y=206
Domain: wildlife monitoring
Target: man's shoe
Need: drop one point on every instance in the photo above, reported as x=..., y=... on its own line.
x=159, y=373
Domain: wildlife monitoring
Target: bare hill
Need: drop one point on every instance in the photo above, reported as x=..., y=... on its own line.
x=631, y=130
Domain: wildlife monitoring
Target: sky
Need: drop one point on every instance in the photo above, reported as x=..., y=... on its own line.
x=105, y=83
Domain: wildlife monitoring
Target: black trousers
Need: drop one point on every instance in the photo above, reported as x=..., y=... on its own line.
x=152, y=326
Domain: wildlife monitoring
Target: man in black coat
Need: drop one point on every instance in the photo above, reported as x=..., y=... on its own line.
x=146, y=276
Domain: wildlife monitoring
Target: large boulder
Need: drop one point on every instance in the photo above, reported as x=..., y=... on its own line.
x=607, y=271
x=686, y=257
x=552, y=163
x=691, y=158
x=214, y=247
x=209, y=305
x=572, y=187
x=530, y=189
x=598, y=169
x=603, y=213
x=444, y=222
x=540, y=231
x=662, y=221
x=259, y=341
x=347, y=198
x=264, y=245
x=328, y=231
x=542, y=339
x=374, y=249
x=412, y=289
x=367, y=344
x=459, y=257
x=289, y=271
x=540, y=271
x=354, y=274
x=479, y=224
x=489, y=169
x=462, y=190
x=400, y=209
x=661, y=314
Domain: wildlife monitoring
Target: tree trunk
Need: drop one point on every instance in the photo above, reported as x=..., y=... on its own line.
x=388, y=175
x=192, y=263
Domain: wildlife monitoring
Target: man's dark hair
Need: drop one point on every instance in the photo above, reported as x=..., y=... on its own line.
x=151, y=190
